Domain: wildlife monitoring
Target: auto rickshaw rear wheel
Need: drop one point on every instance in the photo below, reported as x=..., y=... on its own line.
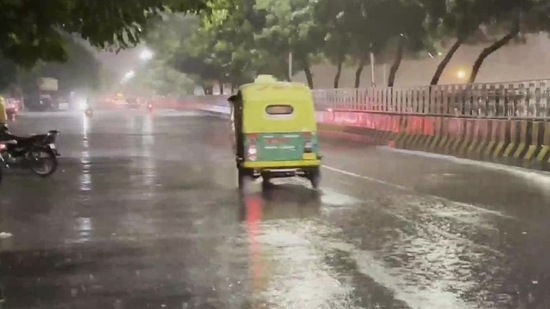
x=315, y=177
x=266, y=180
x=243, y=176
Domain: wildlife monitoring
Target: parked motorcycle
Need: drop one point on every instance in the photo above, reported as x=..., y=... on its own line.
x=36, y=152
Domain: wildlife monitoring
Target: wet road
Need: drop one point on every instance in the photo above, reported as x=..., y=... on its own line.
x=144, y=213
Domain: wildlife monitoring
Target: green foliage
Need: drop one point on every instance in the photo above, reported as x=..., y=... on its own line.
x=239, y=39
x=31, y=30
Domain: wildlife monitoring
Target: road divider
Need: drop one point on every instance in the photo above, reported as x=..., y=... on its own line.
x=525, y=142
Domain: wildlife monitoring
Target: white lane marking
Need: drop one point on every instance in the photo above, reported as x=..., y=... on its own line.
x=364, y=177
x=5, y=235
x=429, y=227
x=542, y=177
x=301, y=245
x=435, y=296
x=303, y=280
x=436, y=230
x=460, y=204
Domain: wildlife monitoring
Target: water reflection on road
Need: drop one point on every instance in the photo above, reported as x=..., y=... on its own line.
x=144, y=213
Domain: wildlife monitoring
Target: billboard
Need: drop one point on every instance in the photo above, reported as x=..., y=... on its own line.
x=47, y=84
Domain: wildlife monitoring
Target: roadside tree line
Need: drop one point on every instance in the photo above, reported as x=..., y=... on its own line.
x=234, y=40
x=231, y=41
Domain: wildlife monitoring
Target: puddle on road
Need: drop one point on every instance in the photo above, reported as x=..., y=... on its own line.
x=330, y=197
x=83, y=228
x=85, y=157
x=417, y=263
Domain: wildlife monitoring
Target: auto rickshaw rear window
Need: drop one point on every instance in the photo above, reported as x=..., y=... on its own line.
x=279, y=109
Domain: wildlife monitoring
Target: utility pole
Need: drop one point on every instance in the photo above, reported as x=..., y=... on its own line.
x=290, y=66
x=372, y=69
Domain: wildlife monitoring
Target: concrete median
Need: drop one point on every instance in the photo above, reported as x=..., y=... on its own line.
x=475, y=138
x=500, y=138
x=439, y=134
x=515, y=137
x=535, y=134
x=544, y=153
x=524, y=139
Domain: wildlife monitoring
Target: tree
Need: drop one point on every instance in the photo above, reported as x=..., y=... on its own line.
x=403, y=21
x=232, y=27
x=455, y=18
x=31, y=30
x=216, y=47
x=180, y=45
x=330, y=15
x=486, y=52
x=290, y=27
x=356, y=18
x=514, y=16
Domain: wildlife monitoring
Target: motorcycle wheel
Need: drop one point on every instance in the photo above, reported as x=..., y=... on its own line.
x=45, y=162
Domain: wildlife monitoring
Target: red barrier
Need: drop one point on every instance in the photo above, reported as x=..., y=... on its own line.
x=499, y=131
x=456, y=127
x=481, y=129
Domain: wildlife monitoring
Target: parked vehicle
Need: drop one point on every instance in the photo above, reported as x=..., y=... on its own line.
x=36, y=152
x=275, y=131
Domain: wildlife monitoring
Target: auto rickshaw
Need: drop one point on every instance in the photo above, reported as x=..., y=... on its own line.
x=275, y=131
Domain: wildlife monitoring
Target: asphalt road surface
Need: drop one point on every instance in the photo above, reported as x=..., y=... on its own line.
x=144, y=213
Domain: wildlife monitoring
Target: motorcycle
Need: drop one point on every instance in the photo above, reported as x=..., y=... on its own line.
x=36, y=152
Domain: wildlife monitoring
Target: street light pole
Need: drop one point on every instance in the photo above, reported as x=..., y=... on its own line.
x=372, y=68
x=290, y=66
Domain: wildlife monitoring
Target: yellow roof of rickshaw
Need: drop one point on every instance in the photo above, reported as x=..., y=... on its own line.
x=268, y=86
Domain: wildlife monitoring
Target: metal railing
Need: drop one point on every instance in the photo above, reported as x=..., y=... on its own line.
x=505, y=100
x=518, y=100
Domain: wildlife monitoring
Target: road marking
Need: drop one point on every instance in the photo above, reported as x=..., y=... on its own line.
x=364, y=177
x=541, y=177
x=464, y=205
x=5, y=235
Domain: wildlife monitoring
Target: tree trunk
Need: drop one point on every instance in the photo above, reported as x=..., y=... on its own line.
x=286, y=73
x=341, y=58
x=397, y=61
x=307, y=71
x=443, y=64
x=491, y=49
x=359, y=71
x=338, y=73
x=207, y=90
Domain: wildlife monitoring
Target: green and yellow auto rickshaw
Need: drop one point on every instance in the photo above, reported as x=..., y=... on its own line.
x=275, y=131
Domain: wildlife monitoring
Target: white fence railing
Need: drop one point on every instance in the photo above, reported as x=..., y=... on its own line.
x=529, y=99
x=507, y=100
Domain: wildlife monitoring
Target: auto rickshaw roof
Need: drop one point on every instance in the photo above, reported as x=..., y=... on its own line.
x=269, y=85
